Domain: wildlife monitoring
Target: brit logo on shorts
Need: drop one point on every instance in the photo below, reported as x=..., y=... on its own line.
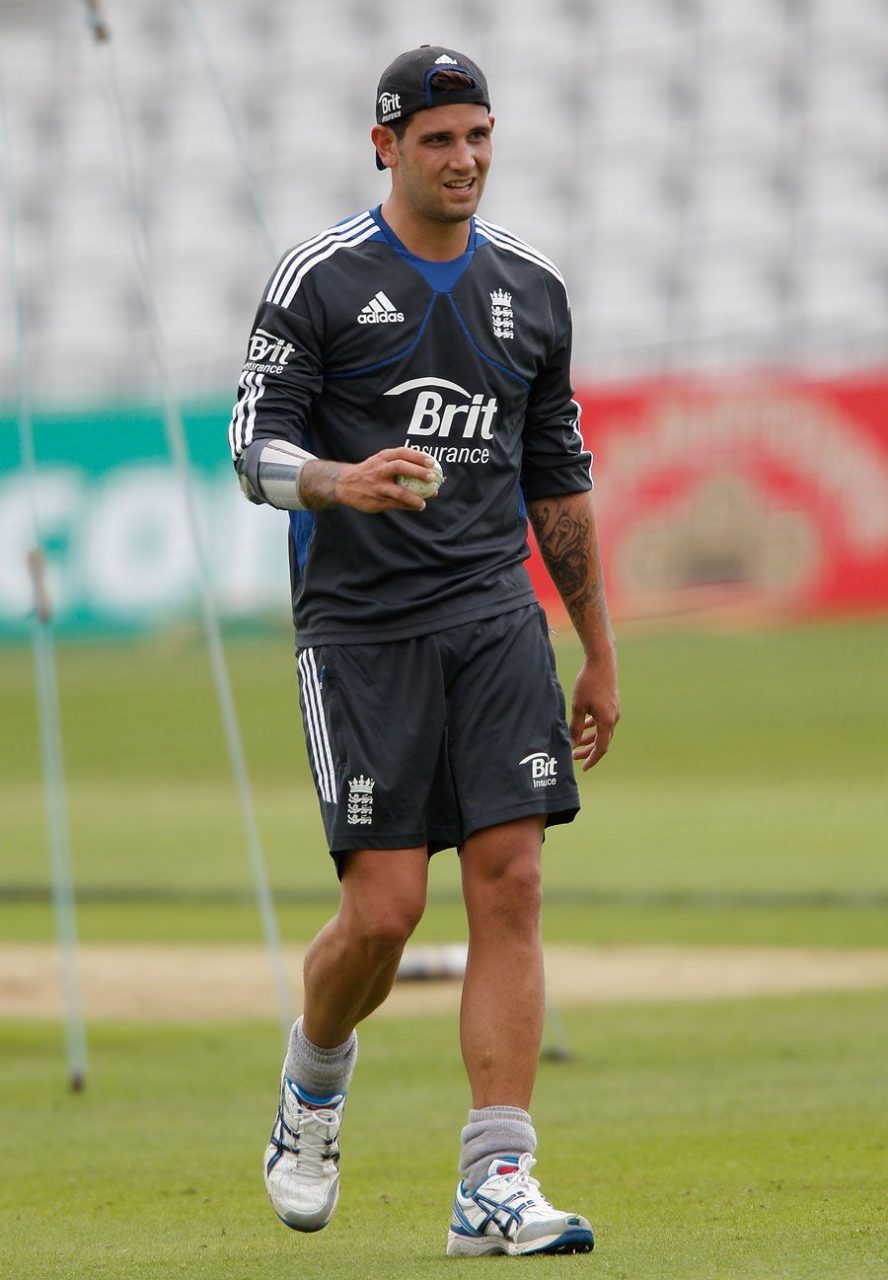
x=360, y=801
x=542, y=768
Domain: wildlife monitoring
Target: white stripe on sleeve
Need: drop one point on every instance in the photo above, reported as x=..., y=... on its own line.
x=258, y=393
x=291, y=260
x=355, y=239
x=243, y=418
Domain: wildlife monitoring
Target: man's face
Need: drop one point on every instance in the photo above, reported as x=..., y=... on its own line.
x=443, y=160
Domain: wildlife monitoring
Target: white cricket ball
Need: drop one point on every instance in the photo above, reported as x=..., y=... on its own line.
x=425, y=488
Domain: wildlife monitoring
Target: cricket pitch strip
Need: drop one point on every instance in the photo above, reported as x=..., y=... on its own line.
x=193, y=982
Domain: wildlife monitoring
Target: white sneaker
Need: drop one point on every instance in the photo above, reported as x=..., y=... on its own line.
x=509, y=1214
x=301, y=1164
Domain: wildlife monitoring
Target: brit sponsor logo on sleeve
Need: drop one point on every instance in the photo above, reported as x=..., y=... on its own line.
x=542, y=768
x=268, y=353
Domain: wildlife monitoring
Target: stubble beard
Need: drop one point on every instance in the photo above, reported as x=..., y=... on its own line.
x=436, y=210
x=440, y=212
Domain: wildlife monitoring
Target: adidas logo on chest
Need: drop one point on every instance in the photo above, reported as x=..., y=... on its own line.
x=380, y=310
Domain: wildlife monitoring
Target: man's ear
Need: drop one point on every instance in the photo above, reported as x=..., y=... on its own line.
x=386, y=145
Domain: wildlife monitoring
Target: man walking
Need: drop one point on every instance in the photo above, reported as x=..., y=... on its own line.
x=410, y=340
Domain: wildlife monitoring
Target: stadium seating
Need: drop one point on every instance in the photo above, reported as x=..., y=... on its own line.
x=708, y=173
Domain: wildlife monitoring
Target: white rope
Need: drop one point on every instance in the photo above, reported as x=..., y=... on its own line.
x=49, y=715
x=217, y=82
x=176, y=442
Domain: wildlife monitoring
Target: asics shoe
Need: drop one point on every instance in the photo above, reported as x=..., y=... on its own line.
x=509, y=1214
x=301, y=1164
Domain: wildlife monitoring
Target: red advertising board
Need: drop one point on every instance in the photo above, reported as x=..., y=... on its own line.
x=770, y=494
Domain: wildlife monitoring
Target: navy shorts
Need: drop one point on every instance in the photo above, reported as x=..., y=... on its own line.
x=423, y=741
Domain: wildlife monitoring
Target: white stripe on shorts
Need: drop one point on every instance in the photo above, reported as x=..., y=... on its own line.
x=316, y=726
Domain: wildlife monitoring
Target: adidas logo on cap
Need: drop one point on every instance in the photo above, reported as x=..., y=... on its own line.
x=380, y=310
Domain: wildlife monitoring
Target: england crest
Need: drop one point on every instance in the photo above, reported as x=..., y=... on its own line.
x=501, y=314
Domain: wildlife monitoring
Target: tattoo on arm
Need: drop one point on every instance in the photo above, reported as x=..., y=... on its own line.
x=566, y=543
x=319, y=480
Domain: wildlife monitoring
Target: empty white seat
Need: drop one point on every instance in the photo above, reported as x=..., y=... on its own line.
x=623, y=303
x=852, y=25
x=635, y=106
x=640, y=30
x=687, y=165
x=625, y=200
x=739, y=201
x=847, y=106
x=844, y=292
x=731, y=293
x=744, y=28
x=741, y=108
x=844, y=204
x=89, y=221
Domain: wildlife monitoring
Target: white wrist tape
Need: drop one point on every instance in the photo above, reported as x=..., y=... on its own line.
x=279, y=473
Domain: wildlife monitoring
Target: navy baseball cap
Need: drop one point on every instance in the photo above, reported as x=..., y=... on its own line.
x=406, y=84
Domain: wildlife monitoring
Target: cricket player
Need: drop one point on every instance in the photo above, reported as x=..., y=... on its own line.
x=412, y=340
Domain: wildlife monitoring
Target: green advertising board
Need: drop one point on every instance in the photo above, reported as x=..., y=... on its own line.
x=114, y=524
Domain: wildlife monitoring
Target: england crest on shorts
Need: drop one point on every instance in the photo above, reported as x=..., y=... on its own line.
x=501, y=314
x=360, y=801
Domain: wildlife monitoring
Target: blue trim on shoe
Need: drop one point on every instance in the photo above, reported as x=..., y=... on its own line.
x=577, y=1240
x=276, y=1140
x=460, y=1224
x=304, y=1096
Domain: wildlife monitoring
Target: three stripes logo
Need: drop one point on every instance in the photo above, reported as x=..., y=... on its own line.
x=380, y=310
x=319, y=749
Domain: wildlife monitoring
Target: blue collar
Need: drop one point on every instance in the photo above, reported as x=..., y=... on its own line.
x=441, y=277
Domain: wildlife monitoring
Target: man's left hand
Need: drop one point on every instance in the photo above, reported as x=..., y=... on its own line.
x=595, y=709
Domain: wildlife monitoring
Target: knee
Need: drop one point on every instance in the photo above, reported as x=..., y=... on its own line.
x=384, y=927
x=514, y=893
x=383, y=899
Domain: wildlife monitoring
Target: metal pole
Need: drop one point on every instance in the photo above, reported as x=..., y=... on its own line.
x=51, y=749
x=217, y=81
x=176, y=441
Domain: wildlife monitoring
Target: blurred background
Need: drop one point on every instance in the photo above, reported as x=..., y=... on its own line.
x=712, y=177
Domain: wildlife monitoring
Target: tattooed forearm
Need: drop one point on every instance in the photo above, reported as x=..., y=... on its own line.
x=565, y=532
x=591, y=601
x=563, y=540
x=318, y=483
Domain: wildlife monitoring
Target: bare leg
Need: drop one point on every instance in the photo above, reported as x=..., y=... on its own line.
x=350, y=966
x=503, y=1001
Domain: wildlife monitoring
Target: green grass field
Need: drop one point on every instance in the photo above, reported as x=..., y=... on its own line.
x=744, y=802
x=705, y=1141
x=744, y=798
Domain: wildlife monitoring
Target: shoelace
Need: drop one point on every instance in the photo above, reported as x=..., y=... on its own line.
x=521, y=1181
x=308, y=1141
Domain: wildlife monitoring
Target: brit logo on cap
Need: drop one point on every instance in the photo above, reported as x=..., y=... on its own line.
x=390, y=106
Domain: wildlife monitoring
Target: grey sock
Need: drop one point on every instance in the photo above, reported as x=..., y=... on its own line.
x=321, y=1072
x=491, y=1132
